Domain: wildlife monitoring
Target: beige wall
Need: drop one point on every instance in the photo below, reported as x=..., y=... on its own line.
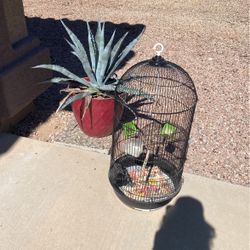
x=18, y=82
x=14, y=18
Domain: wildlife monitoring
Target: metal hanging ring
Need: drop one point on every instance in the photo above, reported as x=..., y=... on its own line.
x=159, y=50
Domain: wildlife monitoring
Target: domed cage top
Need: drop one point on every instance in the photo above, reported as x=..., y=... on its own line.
x=150, y=137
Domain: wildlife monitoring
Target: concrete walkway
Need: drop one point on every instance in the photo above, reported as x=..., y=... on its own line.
x=58, y=197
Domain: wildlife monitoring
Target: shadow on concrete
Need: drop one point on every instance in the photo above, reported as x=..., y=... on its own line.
x=52, y=35
x=6, y=142
x=184, y=227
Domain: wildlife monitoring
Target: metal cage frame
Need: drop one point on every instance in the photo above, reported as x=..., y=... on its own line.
x=150, y=139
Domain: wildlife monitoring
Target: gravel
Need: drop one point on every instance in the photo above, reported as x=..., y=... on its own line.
x=208, y=39
x=72, y=134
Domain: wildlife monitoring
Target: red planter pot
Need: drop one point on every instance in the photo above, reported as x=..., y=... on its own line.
x=98, y=119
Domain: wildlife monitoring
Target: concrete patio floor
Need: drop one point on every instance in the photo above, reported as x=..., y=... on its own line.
x=54, y=196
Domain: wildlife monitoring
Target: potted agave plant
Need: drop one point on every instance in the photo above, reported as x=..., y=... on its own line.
x=92, y=97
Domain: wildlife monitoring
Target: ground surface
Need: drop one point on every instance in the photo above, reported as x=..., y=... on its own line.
x=208, y=39
x=59, y=198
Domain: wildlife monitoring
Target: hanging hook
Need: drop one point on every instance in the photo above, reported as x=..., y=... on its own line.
x=159, y=50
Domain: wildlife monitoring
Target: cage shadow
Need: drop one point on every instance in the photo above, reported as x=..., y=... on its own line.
x=132, y=109
x=51, y=34
x=184, y=227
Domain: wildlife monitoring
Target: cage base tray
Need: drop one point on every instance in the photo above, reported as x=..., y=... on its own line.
x=139, y=205
x=138, y=193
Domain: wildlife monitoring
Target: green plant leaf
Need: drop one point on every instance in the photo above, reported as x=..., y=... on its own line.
x=132, y=91
x=100, y=45
x=116, y=49
x=70, y=44
x=109, y=87
x=57, y=80
x=98, y=33
x=63, y=71
x=87, y=103
x=103, y=61
x=81, y=54
x=99, y=38
x=92, y=48
x=130, y=46
x=123, y=54
x=72, y=99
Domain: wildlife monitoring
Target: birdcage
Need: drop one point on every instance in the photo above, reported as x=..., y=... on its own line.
x=150, y=140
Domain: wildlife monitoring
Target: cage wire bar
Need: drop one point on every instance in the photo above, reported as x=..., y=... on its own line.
x=150, y=138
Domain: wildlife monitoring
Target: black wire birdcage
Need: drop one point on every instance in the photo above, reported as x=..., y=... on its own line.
x=150, y=140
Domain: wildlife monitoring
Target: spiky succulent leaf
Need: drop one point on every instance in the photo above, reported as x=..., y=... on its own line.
x=103, y=61
x=122, y=55
x=63, y=71
x=132, y=91
x=115, y=50
x=72, y=99
x=132, y=44
x=99, y=37
x=99, y=66
x=92, y=48
x=100, y=40
x=109, y=87
x=87, y=103
x=70, y=44
x=56, y=80
x=81, y=54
